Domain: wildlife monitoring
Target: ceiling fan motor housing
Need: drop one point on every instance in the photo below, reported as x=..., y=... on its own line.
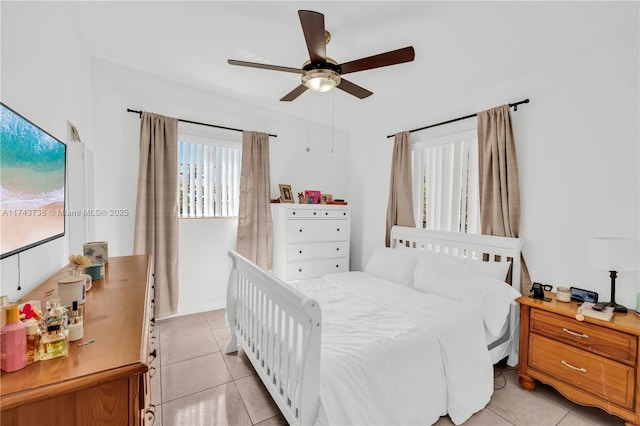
x=329, y=64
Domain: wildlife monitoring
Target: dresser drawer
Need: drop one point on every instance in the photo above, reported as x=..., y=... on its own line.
x=305, y=251
x=599, y=340
x=335, y=213
x=317, y=230
x=316, y=268
x=600, y=376
x=303, y=213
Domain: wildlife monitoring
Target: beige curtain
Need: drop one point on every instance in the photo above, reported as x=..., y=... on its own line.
x=400, y=206
x=499, y=191
x=156, y=225
x=255, y=229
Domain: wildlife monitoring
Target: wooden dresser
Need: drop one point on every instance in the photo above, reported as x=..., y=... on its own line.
x=310, y=240
x=591, y=362
x=101, y=383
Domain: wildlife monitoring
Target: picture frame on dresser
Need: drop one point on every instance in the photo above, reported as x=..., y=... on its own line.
x=286, y=193
x=312, y=196
x=326, y=198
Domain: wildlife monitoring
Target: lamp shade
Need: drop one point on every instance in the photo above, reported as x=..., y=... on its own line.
x=614, y=254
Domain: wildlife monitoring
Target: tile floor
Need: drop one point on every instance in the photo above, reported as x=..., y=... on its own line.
x=195, y=383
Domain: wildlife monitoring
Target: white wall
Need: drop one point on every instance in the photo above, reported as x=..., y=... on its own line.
x=577, y=145
x=45, y=77
x=204, y=265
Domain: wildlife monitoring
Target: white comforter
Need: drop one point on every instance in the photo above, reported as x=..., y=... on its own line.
x=394, y=356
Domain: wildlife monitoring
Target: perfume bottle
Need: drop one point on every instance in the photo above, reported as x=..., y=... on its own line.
x=56, y=315
x=75, y=323
x=33, y=340
x=54, y=343
x=13, y=341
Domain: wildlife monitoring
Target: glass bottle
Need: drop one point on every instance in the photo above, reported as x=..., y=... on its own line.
x=56, y=315
x=33, y=340
x=75, y=324
x=53, y=343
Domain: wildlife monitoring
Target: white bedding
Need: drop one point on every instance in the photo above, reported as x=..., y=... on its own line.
x=393, y=355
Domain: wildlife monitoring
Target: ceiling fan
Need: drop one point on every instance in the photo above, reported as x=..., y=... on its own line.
x=321, y=73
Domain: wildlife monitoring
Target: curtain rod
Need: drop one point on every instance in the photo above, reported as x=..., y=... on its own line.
x=514, y=105
x=201, y=124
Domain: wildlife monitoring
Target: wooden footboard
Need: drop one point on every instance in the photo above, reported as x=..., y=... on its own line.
x=279, y=330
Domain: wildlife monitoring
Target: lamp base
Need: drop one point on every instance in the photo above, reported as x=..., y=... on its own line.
x=616, y=307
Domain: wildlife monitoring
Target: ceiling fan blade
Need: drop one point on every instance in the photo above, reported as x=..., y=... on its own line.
x=292, y=95
x=354, y=89
x=313, y=29
x=406, y=54
x=265, y=66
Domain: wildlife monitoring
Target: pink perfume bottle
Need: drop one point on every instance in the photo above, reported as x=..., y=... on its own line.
x=13, y=341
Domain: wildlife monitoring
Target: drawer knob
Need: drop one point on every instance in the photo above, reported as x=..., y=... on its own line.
x=566, y=364
x=299, y=270
x=573, y=333
x=337, y=266
x=326, y=213
x=338, y=249
x=293, y=213
x=300, y=251
x=314, y=213
x=338, y=229
x=300, y=230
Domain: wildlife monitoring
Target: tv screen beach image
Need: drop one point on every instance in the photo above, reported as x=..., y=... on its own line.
x=32, y=184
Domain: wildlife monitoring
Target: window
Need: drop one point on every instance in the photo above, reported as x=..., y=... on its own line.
x=445, y=181
x=209, y=177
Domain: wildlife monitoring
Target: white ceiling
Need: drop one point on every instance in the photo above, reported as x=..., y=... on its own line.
x=460, y=47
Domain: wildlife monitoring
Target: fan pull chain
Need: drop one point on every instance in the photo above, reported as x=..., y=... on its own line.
x=308, y=136
x=333, y=117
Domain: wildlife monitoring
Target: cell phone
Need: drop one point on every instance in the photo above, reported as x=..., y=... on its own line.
x=582, y=295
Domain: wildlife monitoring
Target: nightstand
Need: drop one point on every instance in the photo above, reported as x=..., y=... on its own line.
x=591, y=362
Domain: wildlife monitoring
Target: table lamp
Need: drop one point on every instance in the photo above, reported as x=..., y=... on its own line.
x=613, y=255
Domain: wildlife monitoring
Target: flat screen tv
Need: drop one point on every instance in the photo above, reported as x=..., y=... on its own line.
x=32, y=184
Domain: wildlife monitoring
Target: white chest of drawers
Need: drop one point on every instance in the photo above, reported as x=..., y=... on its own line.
x=310, y=240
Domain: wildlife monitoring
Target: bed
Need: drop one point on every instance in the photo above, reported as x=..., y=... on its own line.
x=409, y=339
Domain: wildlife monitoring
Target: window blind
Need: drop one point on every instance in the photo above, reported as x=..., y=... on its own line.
x=209, y=179
x=446, y=183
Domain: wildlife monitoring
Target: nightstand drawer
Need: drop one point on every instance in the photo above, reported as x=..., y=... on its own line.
x=590, y=337
x=602, y=377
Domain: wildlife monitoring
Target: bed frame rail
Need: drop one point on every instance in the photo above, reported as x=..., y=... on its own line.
x=279, y=329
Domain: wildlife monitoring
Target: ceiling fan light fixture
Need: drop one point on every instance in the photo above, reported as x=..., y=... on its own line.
x=321, y=80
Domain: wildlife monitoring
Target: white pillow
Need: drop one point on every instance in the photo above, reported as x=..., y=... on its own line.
x=393, y=265
x=443, y=276
x=497, y=270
